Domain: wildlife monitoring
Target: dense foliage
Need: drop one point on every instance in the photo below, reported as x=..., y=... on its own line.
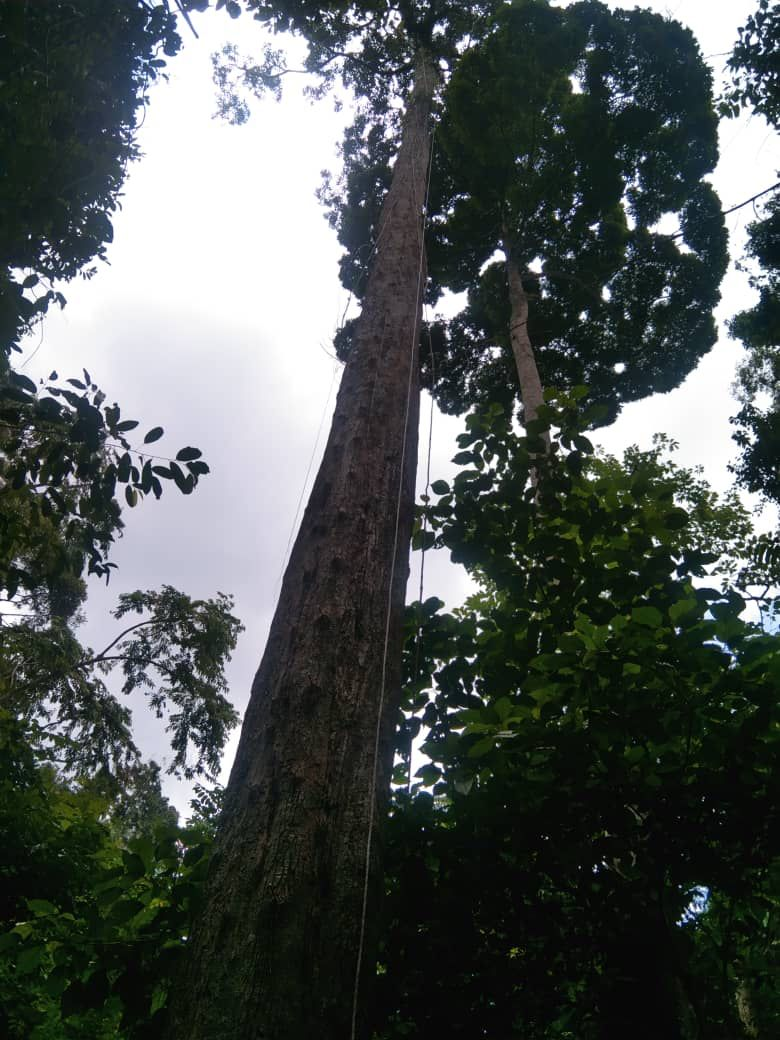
x=96, y=874
x=74, y=78
x=756, y=85
x=601, y=725
x=565, y=140
x=94, y=912
x=753, y=63
x=758, y=421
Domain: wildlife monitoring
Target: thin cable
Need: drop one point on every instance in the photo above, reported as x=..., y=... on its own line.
x=294, y=525
x=29, y=358
x=418, y=634
x=372, y=791
x=740, y=205
x=186, y=18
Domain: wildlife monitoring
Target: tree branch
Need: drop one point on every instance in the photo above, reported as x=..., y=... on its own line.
x=102, y=655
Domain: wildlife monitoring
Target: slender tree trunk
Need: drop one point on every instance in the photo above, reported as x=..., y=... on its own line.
x=531, y=392
x=530, y=384
x=275, y=951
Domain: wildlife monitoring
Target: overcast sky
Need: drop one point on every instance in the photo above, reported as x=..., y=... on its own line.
x=215, y=319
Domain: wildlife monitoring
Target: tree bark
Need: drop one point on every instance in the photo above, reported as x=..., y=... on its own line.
x=745, y=1010
x=274, y=953
x=531, y=391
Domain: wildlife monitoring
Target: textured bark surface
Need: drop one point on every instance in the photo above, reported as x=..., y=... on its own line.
x=274, y=953
x=527, y=372
x=745, y=1010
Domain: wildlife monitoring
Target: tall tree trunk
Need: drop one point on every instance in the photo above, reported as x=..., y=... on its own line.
x=275, y=950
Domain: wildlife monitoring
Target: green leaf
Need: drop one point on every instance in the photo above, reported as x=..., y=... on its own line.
x=123, y=910
x=185, y=484
x=133, y=864
x=153, y=435
x=159, y=998
x=123, y=468
x=188, y=454
x=464, y=458
x=56, y=982
x=574, y=463
x=41, y=907
x=482, y=747
x=21, y=381
x=30, y=958
x=681, y=608
x=142, y=847
x=8, y=940
x=648, y=616
x=429, y=774
x=676, y=519
x=440, y=487
x=109, y=895
x=423, y=540
x=571, y=644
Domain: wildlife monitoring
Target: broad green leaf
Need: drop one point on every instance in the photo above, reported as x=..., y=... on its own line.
x=41, y=907
x=30, y=959
x=188, y=454
x=482, y=747
x=681, y=608
x=651, y=617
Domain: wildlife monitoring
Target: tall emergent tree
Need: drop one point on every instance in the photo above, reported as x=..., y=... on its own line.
x=285, y=939
x=287, y=918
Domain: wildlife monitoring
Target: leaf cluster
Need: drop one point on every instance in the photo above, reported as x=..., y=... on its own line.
x=75, y=77
x=92, y=927
x=64, y=457
x=757, y=424
x=753, y=65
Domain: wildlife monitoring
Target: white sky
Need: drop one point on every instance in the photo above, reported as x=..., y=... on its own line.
x=220, y=302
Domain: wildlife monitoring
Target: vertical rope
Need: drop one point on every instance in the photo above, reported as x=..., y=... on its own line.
x=383, y=681
x=418, y=633
x=294, y=525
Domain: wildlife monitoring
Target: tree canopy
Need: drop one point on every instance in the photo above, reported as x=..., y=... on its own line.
x=755, y=85
x=567, y=138
x=75, y=77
